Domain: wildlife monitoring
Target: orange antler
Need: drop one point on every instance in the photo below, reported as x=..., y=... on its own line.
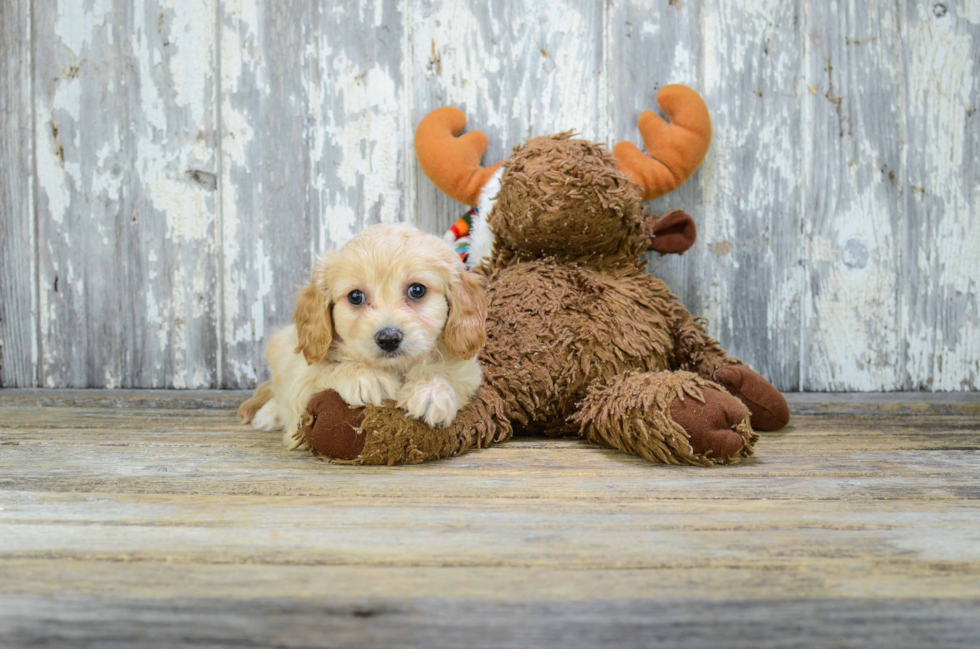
x=452, y=163
x=674, y=150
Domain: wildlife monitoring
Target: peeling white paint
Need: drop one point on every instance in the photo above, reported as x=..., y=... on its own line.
x=76, y=22
x=118, y=127
x=107, y=175
x=244, y=372
x=55, y=168
x=684, y=68
x=156, y=321
x=970, y=11
x=111, y=381
x=191, y=35
x=942, y=354
x=855, y=312
x=264, y=275
x=51, y=176
x=750, y=218
x=360, y=139
x=176, y=330
x=473, y=58
x=853, y=323
x=447, y=45
x=242, y=72
x=849, y=301
x=187, y=214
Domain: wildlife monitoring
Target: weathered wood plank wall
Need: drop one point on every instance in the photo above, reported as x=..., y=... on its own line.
x=169, y=170
x=18, y=274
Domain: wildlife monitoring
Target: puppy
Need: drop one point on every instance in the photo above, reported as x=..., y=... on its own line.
x=393, y=315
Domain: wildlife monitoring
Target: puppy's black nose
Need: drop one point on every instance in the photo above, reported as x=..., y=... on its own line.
x=388, y=339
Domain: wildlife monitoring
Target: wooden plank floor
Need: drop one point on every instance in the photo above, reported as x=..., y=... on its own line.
x=152, y=519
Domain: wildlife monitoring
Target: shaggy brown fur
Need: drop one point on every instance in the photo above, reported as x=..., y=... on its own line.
x=635, y=413
x=388, y=437
x=540, y=214
x=580, y=341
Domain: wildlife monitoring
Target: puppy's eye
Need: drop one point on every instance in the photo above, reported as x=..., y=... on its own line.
x=416, y=291
x=356, y=298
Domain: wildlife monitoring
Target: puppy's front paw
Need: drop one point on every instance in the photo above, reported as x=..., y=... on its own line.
x=369, y=388
x=432, y=400
x=267, y=417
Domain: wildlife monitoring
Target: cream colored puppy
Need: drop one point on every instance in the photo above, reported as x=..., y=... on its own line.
x=393, y=315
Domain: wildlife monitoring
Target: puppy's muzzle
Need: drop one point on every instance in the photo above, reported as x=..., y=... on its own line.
x=388, y=340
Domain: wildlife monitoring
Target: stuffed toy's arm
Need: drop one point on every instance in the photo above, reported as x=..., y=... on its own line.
x=339, y=433
x=696, y=351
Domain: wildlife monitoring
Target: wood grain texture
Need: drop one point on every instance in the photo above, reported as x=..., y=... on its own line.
x=141, y=526
x=442, y=623
x=941, y=309
x=193, y=158
x=267, y=227
x=157, y=399
x=123, y=100
x=516, y=69
x=18, y=275
x=854, y=204
x=751, y=246
x=652, y=44
x=312, y=151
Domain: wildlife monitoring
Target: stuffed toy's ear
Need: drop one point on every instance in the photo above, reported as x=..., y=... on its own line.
x=314, y=328
x=670, y=234
x=465, y=330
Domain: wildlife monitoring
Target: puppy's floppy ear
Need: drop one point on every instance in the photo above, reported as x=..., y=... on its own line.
x=314, y=328
x=465, y=329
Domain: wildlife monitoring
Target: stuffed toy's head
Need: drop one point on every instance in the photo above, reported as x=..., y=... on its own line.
x=566, y=198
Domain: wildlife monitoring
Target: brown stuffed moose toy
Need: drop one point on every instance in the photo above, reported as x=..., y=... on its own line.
x=580, y=340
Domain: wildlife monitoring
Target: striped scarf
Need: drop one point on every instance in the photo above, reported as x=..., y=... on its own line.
x=459, y=235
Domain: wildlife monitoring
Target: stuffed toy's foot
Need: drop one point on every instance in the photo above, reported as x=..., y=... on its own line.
x=669, y=417
x=766, y=403
x=332, y=428
x=386, y=435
